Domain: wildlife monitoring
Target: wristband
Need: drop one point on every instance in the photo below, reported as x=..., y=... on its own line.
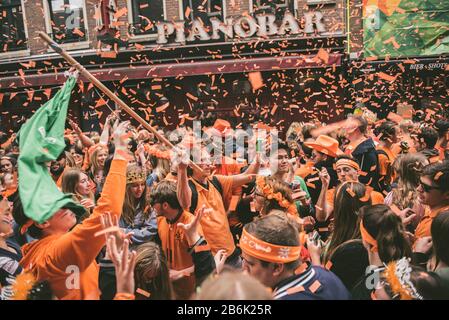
x=124, y=296
x=196, y=243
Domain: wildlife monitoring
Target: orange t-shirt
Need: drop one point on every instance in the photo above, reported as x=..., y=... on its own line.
x=423, y=228
x=385, y=162
x=68, y=261
x=216, y=226
x=175, y=247
x=376, y=197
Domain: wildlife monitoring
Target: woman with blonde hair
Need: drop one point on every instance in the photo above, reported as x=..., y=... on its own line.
x=233, y=285
x=151, y=275
x=76, y=182
x=408, y=168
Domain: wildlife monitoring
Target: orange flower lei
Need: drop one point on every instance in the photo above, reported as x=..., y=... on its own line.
x=269, y=193
x=154, y=151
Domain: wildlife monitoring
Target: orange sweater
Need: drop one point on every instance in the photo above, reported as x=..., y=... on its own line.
x=57, y=258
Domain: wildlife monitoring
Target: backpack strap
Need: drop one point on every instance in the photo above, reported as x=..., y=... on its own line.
x=217, y=185
x=194, y=198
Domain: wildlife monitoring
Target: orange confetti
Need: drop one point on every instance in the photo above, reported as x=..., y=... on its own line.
x=120, y=13
x=78, y=32
x=323, y=55
x=163, y=107
x=386, y=77
x=315, y=286
x=108, y=54
x=438, y=175
x=187, y=12
x=192, y=97
x=256, y=80
x=350, y=192
x=143, y=292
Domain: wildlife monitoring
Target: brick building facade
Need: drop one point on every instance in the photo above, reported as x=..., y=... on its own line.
x=117, y=41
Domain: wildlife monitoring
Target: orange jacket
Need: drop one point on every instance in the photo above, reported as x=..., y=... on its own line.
x=58, y=258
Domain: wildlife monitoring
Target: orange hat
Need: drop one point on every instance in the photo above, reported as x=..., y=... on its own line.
x=326, y=145
x=222, y=126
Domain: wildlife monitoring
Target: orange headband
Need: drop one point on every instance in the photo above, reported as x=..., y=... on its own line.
x=368, y=238
x=347, y=162
x=266, y=251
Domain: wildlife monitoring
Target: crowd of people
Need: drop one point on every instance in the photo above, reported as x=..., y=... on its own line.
x=357, y=210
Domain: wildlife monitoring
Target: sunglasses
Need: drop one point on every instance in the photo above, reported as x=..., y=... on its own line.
x=428, y=188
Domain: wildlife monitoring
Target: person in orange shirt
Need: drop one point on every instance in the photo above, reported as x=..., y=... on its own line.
x=347, y=170
x=64, y=252
x=219, y=135
x=203, y=189
x=388, y=134
x=433, y=191
x=174, y=242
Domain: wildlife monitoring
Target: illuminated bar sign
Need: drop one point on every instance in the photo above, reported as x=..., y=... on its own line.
x=261, y=25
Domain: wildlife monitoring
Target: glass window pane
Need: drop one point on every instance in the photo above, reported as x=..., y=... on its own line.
x=12, y=29
x=146, y=13
x=67, y=20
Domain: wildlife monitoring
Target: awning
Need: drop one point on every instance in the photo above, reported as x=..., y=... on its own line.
x=178, y=70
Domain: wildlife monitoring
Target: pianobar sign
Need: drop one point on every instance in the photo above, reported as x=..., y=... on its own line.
x=260, y=25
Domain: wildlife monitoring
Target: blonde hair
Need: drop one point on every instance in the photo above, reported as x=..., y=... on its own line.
x=151, y=273
x=233, y=285
x=408, y=168
x=161, y=167
x=94, y=165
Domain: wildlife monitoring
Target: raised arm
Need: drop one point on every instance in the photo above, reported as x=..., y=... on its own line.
x=322, y=209
x=183, y=190
x=80, y=246
x=85, y=140
x=249, y=174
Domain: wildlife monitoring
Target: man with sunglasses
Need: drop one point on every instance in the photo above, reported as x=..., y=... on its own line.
x=433, y=192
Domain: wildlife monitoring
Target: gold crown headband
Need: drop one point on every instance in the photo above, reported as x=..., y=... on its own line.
x=135, y=175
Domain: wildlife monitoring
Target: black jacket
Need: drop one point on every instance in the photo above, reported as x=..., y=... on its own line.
x=366, y=156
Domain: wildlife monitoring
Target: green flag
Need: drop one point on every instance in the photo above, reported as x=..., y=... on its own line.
x=41, y=139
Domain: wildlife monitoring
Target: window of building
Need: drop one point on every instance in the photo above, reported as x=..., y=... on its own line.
x=202, y=9
x=12, y=29
x=144, y=16
x=67, y=20
x=277, y=7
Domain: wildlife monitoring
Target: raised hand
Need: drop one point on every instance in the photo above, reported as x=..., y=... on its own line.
x=324, y=177
x=191, y=229
x=423, y=245
x=220, y=259
x=121, y=136
x=111, y=228
x=87, y=203
x=124, y=262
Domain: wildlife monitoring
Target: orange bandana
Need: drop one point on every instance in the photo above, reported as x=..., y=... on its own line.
x=347, y=162
x=368, y=238
x=265, y=251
